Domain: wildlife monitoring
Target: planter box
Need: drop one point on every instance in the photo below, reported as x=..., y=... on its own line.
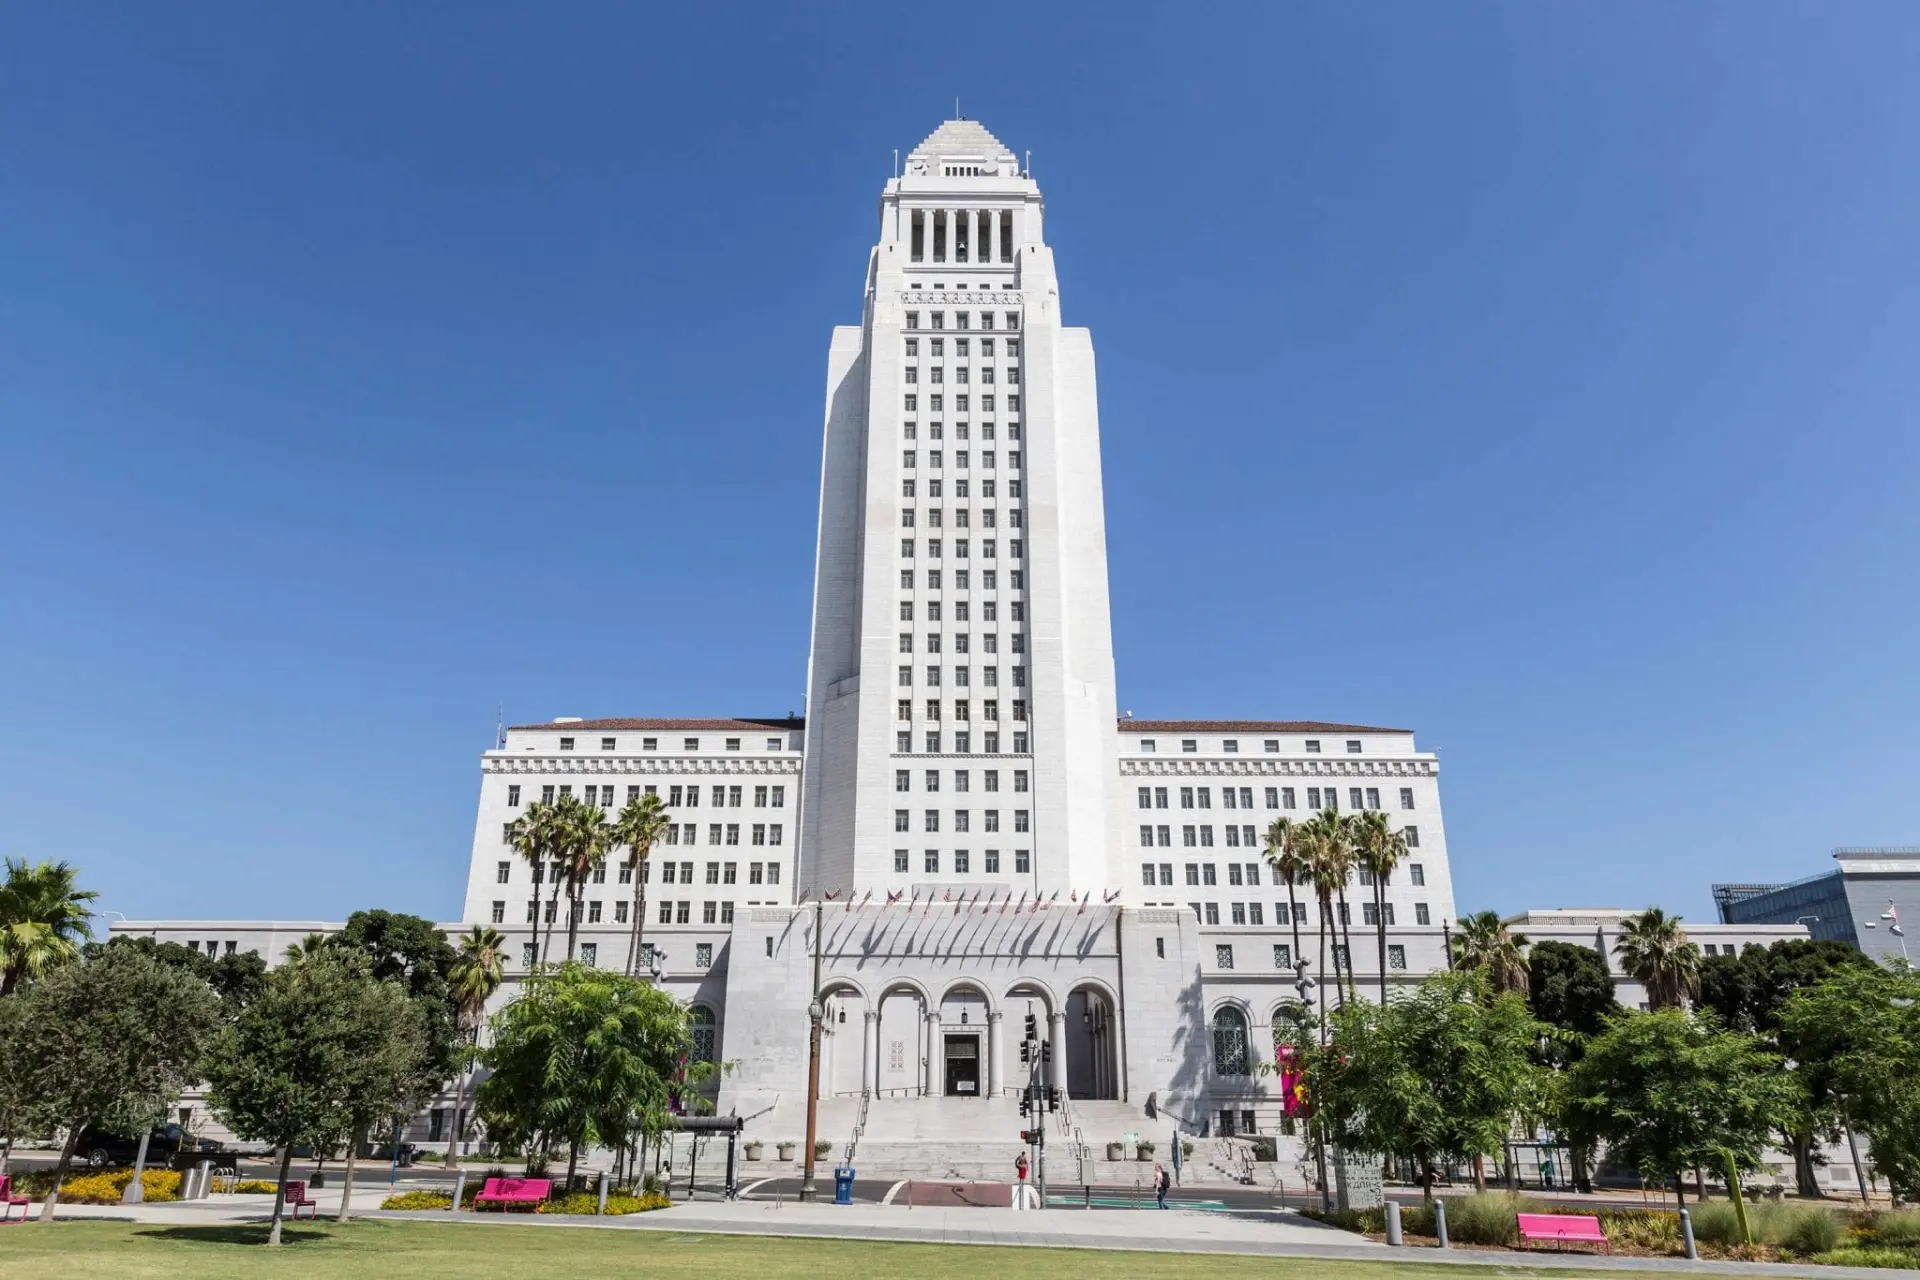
x=1146, y=1153
x=1116, y=1151
x=786, y=1149
x=755, y=1151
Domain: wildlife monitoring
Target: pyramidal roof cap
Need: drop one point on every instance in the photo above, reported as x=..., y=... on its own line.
x=962, y=137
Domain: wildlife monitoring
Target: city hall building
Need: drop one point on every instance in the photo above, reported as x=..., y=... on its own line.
x=963, y=831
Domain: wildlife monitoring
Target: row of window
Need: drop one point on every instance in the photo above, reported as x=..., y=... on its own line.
x=1276, y=797
x=703, y=1031
x=1223, y=955
x=764, y=797
x=961, y=319
x=962, y=780
x=961, y=518
x=934, y=641
x=962, y=709
x=1254, y=913
x=962, y=550
x=937, y=431
x=711, y=912
x=962, y=742
x=670, y=872
x=1248, y=873
x=962, y=820
x=1200, y=836
x=962, y=581
x=936, y=375
x=1231, y=746
x=962, y=348
x=686, y=744
x=910, y=458
x=963, y=861
x=963, y=677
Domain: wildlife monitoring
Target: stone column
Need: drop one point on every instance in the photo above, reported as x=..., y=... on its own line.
x=992, y=240
x=936, y=1054
x=996, y=1070
x=1057, y=1033
x=870, y=1053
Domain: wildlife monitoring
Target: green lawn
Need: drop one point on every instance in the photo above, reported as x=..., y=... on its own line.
x=432, y=1251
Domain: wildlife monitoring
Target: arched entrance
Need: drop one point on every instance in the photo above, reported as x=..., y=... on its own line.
x=842, y=1044
x=902, y=1048
x=1092, y=1034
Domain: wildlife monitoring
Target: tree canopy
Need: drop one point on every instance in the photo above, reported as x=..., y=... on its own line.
x=44, y=920
x=1570, y=987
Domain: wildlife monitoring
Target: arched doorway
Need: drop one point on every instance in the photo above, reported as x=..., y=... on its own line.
x=902, y=1049
x=842, y=1047
x=1092, y=1046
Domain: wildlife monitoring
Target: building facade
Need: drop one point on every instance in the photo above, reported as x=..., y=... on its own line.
x=1864, y=901
x=963, y=838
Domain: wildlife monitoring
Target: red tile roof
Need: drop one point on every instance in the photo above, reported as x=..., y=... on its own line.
x=782, y=724
x=1249, y=726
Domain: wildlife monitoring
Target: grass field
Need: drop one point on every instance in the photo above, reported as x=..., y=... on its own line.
x=390, y=1250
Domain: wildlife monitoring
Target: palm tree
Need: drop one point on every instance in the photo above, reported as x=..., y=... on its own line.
x=309, y=947
x=535, y=835
x=1333, y=861
x=1283, y=855
x=1656, y=951
x=1380, y=849
x=640, y=826
x=43, y=920
x=1318, y=847
x=476, y=974
x=1486, y=944
x=583, y=851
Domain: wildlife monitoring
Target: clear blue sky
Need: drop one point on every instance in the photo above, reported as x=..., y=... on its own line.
x=1541, y=377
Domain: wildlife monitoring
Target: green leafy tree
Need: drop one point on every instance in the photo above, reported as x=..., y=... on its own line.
x=1654, y=949
x=642, y=824
x=1855, y=1039
x=1379, y=850
x=109, y=1041
x=477, y=974
x=414, y=953
x=44, y=920
x=235, y=977
x=1485, y=943
x=1749, y=992
x=1442, y=1074
x=14, y=1079
x=1670, y=1092
x=304, y=1053
x=1569, y=989
x=584, y=1056
x=1284, y=856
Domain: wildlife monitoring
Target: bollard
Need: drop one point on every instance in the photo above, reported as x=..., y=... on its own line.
x=1440, y=1221
x=1086, y=1189
x=459, y=1189
x=1393, y=1224
x=603, y=1194
x=1686, y=1235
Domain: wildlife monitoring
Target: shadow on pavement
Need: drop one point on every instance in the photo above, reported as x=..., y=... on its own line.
x=232, y=1233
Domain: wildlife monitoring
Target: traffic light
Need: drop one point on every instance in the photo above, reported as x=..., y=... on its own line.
x=1026, y=1052
x=1053, y=1099
x=1025, y=1109
x=1026, y=1137
x=1046, y=1051
x=1033, y=1027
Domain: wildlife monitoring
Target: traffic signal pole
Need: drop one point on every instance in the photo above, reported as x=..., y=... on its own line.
x=1037, y=1100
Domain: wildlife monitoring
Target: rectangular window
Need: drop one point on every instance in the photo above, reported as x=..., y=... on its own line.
x=1222, y=955
x=1237, y=912
x=1416, y=874
x=1420, y=915
x=513, y=797
x=502, y=872
x=683, y=913
x=1146, y=874
x=1353, y=799
x=1233, y=873
x=900, y=861
x=1213, y=913
x=1020, y=820
x=1206, y=837
x=1373, y=797
x=1253, y=913
x=960, y=862
x=499, y=912
x=901, y=820
x=1413, y=836
x=1286, y=798
x=1165, y=835
x=759, y=833
x=1207, y=874
x=1166, y=875
x=1406, y=797
x=1282, y=955
x=1146, y=836
x=666, y=911
x=1396, y=956
x=932, y=861
x=593, y=913
x=620, y=913
x=1193, y=873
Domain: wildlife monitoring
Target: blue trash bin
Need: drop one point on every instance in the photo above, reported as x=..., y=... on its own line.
x=843, y=1185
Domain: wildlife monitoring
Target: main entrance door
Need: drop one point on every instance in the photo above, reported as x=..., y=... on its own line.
x=963, y=1066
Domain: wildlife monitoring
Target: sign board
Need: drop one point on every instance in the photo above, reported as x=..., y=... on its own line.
x=1130, y=1144
x=1357, y=1180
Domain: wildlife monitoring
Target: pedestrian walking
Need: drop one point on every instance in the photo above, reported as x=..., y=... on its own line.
x=1161, y=1181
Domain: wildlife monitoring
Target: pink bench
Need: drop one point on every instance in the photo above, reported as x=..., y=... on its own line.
x=8, y=1199
x=1562, y=1228
x=508, y=1191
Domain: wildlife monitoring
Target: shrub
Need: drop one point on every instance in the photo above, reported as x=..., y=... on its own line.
x=419, y=1200
x=1488, y=1218
x=1901, y=1227
x=107, y=1188
x=1804, y=1228
x=1715, y=1222
x=588, y=1202
x=1867, y=1256
x=1655, y=1230
x=1263, y=1149
x=256, y=1187
x=1417, y=1220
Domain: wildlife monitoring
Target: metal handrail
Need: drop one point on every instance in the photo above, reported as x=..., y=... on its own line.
x=859, y=1127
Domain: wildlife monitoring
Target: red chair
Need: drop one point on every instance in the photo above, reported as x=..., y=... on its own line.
x=298, y=1199
x=8, y=1199
x=506, y=1192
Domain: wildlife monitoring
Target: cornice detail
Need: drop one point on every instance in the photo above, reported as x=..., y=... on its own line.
x=984, y=298
x=572, y=766
x=1154, y=767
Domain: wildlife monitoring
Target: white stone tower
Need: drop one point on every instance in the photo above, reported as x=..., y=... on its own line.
x=961, y=711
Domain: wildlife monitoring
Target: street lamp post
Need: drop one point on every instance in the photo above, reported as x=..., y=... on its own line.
x=815, y=1012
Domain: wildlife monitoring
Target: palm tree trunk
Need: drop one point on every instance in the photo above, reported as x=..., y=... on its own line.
x=1346, y=940
x=574, y=889
x=1324, y=907
x=1293, y=915
x=459, y=1112
x=1380, y=921
x=639, y=919
x=553, y=904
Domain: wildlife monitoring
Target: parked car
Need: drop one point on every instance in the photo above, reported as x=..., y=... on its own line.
x=100, y=1149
